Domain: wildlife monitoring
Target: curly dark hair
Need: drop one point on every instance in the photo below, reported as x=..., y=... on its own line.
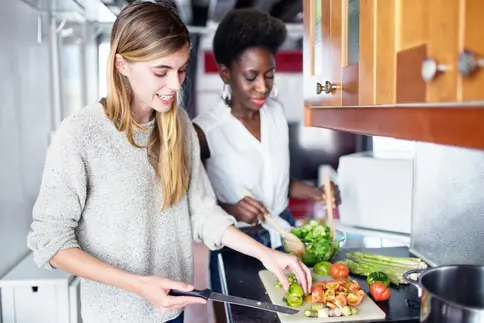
x=244, y=28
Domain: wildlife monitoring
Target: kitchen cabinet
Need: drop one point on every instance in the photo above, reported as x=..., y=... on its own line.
x=407, y=69
x=33, y=295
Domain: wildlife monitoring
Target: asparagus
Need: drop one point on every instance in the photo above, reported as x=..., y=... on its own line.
x=364, y=264
x=407, y=262
x=366, y=270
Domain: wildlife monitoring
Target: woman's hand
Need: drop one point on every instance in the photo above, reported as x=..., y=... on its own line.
x=301, y=190
x=247, y=210
x=155, y=289
x=277, y=262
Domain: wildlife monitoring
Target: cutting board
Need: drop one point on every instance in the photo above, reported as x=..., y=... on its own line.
x=368, y=310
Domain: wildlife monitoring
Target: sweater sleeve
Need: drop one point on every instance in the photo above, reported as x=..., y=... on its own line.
x=60, y=202
x=209, y=220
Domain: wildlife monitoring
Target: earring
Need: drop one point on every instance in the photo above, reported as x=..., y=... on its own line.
x=274, y=92
x=226, y=92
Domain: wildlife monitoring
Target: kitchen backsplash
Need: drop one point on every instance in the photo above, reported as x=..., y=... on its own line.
x=448, y=204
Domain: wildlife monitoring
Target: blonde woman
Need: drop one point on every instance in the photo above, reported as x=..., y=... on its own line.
x=124, y=193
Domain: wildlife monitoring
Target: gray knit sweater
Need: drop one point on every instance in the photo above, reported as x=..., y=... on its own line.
x=99, y=194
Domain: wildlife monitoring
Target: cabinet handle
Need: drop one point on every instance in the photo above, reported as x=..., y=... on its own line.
x=327, y=88
x=468, y=63
x=430, y=69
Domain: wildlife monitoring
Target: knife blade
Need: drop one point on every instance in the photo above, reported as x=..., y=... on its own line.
x=208, y=294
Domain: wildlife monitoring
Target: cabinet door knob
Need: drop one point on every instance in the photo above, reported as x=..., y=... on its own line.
x=327, y=88
x=468, y=63
x=430, y=69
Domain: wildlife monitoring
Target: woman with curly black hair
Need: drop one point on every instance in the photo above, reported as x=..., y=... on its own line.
x=244, y=138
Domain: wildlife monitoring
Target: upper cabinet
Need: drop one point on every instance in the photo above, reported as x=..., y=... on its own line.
x=408, y=69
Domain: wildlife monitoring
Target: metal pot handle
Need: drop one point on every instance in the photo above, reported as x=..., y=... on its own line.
x=406, y=277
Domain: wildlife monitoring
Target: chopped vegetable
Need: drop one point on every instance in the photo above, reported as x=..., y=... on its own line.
x=290, y=277
x=379, y=291
x=327, y=298
x=355, y=299
x=295, y=295
x=319, y=242
x=341, y=300
x=309, y=313
x=338, y=293
x=323, y=312
x=293, y=301
x=334, y=312
x=378, y=276
x=318, y=293
x=339, y=271
x=346, y=310
x=296, y=290
x=364, y=264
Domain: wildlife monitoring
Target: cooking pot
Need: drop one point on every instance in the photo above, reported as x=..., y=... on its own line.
x=450, y=294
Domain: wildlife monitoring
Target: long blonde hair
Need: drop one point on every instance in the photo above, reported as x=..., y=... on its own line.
x=145, y=31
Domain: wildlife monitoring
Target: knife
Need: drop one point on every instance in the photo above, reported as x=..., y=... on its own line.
x=208, y=294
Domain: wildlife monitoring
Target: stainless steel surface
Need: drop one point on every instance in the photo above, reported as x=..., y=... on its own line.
x=450, y=293
x=196, y=10
x=251, y=303
x=468, y=63
x=327, y=88
x=430, y=69
x=448, y=205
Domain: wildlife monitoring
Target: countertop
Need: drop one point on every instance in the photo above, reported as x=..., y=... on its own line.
x=239, y=275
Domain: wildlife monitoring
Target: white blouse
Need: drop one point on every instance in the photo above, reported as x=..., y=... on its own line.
x=239, y=161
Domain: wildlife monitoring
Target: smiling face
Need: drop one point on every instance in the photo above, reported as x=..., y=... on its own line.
x=155, y=82
x=251, y=78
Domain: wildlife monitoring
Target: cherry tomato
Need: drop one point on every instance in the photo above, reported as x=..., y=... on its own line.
x=379, y=291
x=339, y=271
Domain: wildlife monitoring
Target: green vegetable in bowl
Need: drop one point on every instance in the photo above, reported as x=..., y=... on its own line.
x=319, y=242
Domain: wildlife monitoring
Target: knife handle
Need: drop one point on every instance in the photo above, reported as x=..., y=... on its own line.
x=204, y=293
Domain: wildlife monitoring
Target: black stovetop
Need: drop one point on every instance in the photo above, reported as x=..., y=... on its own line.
x=240, y=276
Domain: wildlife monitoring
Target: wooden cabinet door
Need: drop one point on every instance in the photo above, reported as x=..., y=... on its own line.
x=322, y=38
x=350, y=53
x=471, y=55
x=442, y=50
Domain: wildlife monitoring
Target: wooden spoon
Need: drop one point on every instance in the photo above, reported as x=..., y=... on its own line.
x=293, y=243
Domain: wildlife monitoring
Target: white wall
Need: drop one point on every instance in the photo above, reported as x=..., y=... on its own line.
x=26, y=119
x=25, y=123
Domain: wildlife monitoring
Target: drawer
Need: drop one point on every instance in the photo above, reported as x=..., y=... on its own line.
x=31, y=304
